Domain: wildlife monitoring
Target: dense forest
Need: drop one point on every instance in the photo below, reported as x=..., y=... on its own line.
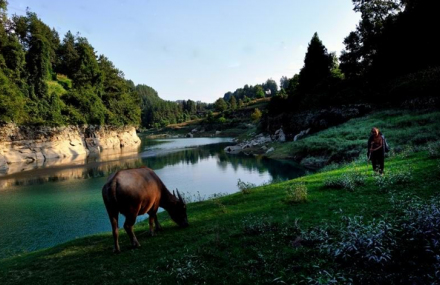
x=390, y=58
x=45, y=80
x=157, y=112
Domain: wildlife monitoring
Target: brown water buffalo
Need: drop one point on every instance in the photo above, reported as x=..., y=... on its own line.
x=134, y=192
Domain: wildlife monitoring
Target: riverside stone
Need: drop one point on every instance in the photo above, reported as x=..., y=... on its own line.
x=39, y=144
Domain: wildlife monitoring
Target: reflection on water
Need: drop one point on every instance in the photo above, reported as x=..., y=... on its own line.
x=57, y=202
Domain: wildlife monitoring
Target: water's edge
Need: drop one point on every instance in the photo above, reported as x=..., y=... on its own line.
x=21, y=146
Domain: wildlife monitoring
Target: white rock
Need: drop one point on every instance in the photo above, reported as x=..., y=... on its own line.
x=233, y=149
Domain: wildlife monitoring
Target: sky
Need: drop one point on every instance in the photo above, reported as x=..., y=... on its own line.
x=200, y=49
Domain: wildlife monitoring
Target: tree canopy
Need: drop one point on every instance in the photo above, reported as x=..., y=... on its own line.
x=47, y=81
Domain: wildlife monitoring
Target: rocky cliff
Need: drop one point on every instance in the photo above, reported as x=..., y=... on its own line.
x=309, y=122
x=41, y=144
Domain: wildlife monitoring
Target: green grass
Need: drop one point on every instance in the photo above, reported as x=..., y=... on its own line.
x=237, y=239
x=348, y=140
x=249, y=238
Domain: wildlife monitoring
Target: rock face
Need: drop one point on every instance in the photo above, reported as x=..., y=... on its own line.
x=258, y=142
x=38, y=144
x=314, y=121
x=279, y=136
x=301, y=135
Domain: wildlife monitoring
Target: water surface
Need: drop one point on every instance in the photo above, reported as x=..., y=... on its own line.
x=55, y=202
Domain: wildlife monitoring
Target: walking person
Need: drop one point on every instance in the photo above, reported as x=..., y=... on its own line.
x=376, y=150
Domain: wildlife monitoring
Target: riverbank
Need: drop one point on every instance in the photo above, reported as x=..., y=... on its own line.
x=280, y=233
x=255, y=237
x=339, y=143
x=22, y=146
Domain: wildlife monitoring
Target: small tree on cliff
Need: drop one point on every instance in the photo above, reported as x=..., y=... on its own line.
x=256, y=115
x=233, y=103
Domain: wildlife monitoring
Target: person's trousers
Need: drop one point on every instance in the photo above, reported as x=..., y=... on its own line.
x=377, y=159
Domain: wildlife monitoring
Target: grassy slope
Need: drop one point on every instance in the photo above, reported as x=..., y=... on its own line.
x=237, y=239
x=349, y=139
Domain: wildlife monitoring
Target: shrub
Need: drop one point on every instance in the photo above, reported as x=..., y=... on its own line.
x=329, y=167
x=348, y=181
x=422, y=224
x=359, y=242
x=434, y=150
x=256, y=115
x=221, y=120
x=187, y=269
x=393, y=251
x=406, y=151
x=324, y=277
x=297, y=193
x=245, y=187
x=398, y=176
x=254, y=225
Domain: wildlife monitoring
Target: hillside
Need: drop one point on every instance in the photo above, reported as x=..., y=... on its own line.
x=350, y=226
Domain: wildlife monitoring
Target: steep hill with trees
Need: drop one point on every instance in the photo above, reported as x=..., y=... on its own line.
x=48, y=81
x=389, y=60
x=157, y=113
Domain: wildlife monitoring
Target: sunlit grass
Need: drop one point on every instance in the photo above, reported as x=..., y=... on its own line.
x=252, y=238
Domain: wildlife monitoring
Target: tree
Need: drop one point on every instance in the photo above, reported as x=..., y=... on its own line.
x=284, y=82
x=361, y=45
x=259, y=92
x=87, y=72
x=233, y=103
x=68, y=56
x=240, y=103
x=272, y=86
x=220, y=105
x=317, y=66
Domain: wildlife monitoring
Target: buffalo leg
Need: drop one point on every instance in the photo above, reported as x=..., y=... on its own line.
x=128, y=226
x=115, y=232
x=151, y=223
x=156, y=221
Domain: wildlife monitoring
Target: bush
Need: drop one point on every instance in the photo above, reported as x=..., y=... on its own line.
x=297, y=193
x=434, y=149
x=245, y=187
x=256, y=115
x=422, y=225
x=253, y=225
x=348, y=181
x=221, y=120
x=359, y=242
x=398, y=176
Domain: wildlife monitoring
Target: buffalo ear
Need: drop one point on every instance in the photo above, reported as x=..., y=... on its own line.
x=174, y=193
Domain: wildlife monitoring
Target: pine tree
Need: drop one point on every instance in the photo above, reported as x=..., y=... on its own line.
x=233, y=103
x=317, y=66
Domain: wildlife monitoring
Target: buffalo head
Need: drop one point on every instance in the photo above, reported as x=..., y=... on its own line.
x=178, y=211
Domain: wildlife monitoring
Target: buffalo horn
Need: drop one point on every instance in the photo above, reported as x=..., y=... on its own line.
x=178, y=194
x=174, y=193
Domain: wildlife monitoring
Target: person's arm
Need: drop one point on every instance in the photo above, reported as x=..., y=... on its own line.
x=381, y=144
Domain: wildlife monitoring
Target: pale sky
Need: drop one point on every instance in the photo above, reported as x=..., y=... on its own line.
x=200, y=49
